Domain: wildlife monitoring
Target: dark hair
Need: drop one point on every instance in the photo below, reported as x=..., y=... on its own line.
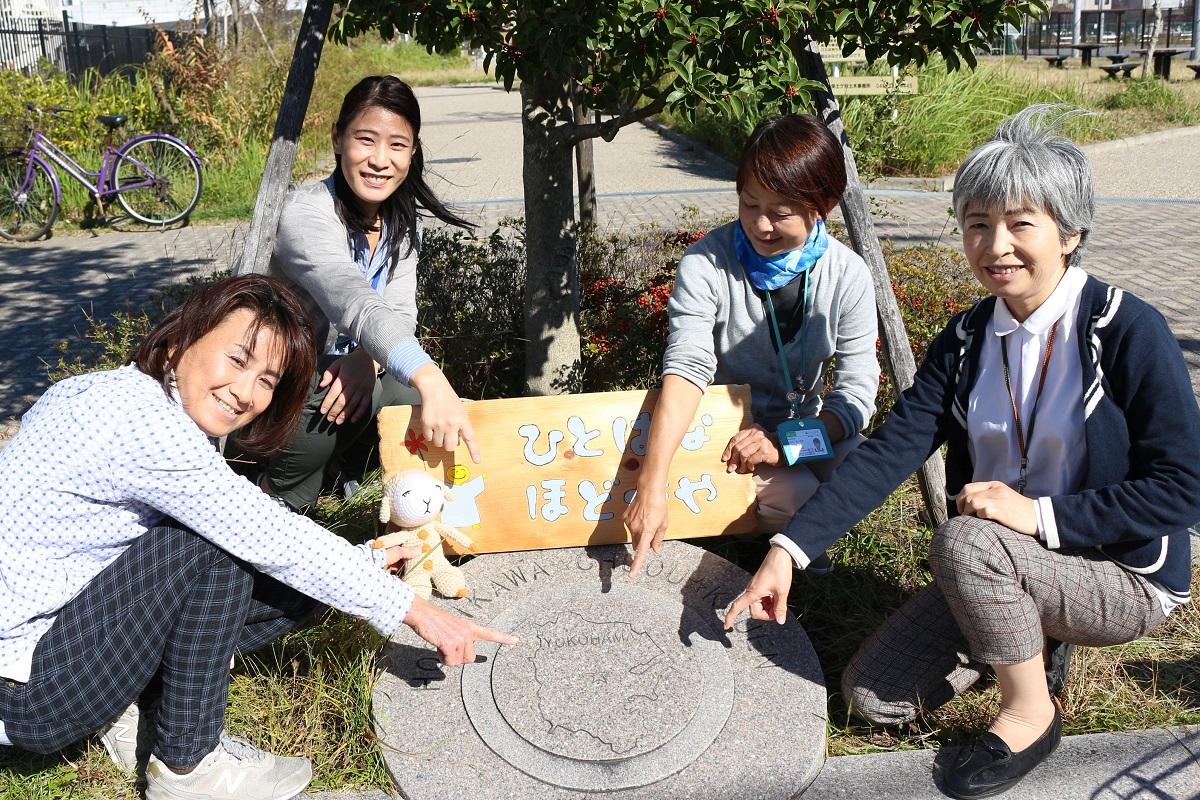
x=274, y=306
x=399, y=212
x=796, y=156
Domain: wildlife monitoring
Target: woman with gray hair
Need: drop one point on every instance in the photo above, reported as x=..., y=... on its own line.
x=1071, y=434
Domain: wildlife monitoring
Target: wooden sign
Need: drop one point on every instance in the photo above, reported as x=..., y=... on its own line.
x=560, y=471
x=848, y=86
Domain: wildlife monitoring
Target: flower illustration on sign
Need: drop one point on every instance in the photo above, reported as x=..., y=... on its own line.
x=415, y=444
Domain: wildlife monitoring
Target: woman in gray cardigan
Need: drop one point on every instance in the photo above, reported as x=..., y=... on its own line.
x=348, y=246
x=769, y=300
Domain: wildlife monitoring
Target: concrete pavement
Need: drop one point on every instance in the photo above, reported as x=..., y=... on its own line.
x=1146, y=239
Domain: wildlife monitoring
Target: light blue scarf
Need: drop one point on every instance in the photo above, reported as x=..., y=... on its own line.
x=777, y=271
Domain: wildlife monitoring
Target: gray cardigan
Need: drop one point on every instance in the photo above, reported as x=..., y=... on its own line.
x=314, y=255
x=719, y=332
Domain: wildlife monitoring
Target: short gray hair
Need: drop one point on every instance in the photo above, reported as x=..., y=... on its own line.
x=1027, y=162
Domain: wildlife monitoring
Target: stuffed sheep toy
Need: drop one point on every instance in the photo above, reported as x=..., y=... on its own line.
x=412, y=501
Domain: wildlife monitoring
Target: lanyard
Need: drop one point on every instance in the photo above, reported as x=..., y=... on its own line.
x=1023, y=442
x=792, y=389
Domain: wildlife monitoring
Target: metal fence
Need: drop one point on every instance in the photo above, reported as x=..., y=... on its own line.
x=72, y=47
x=1114, y=30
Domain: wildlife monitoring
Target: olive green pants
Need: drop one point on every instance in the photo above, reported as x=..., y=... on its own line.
x=320, y=451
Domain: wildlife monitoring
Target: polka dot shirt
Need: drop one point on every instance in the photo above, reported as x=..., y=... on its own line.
x=102, y=458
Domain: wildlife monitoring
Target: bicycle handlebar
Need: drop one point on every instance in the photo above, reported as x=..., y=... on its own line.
x=48, y=109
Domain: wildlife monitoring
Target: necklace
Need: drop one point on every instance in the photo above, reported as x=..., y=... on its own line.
x=1022, y=441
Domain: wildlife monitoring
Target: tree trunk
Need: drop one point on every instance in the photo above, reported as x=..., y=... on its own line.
x=1155, y=28
x=260, y=239
x=236, y=8
x=898, y=359
x=585, y=170
x=552, y=275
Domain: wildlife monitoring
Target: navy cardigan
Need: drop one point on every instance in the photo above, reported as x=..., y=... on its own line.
x=1141, y=484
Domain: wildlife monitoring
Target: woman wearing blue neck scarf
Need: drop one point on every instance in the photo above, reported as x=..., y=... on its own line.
x=769, y=300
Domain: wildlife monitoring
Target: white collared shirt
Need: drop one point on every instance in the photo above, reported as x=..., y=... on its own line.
x=1057, y=449
x=101, y=459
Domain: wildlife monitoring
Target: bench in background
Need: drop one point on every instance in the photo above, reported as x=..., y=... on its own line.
x=1126, y=68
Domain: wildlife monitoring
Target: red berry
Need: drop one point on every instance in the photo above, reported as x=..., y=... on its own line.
x=693, y=39
x=790, y=91
x=660, y=14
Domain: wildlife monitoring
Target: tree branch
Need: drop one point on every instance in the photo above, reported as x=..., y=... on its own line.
x=608, y=129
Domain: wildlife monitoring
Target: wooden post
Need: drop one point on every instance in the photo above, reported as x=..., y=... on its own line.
x=260, y=239
x=898, y=358
x=1148, y=60
x=585, y=168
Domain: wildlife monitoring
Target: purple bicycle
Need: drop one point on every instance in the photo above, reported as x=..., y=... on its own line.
x=155, y=177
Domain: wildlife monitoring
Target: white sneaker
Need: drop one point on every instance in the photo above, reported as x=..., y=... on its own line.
x=235, y=770
x=120, y=739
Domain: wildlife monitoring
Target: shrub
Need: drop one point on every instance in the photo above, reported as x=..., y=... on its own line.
x=626, y=281
x=931, y=284
x=470, y=295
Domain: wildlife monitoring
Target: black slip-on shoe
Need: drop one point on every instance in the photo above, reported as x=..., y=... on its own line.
x=988, y=767
x=1058, y=664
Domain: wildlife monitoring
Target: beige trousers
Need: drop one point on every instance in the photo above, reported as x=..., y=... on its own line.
x=781, y=491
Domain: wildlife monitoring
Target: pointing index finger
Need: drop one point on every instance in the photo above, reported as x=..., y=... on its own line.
x=742, y=602
x=490, y=635
x=640, y=546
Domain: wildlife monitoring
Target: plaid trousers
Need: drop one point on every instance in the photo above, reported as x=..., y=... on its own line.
x=159, y=625
x=997, y=594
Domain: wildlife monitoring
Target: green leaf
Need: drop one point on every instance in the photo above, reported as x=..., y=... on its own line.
x=681, y=68
x=736, y=106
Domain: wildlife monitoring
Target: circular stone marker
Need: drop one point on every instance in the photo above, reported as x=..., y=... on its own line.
x=626, y=688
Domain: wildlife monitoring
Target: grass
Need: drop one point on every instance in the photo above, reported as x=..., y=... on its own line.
x=955, y=111
x=231, y=188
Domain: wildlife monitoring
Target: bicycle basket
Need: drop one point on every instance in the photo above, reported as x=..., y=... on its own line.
x=14, y=137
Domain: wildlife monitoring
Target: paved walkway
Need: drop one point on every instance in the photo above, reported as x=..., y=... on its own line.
x=1146, y=238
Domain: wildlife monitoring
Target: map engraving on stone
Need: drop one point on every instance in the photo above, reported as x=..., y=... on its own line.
x=590, y=686
x=618, y=688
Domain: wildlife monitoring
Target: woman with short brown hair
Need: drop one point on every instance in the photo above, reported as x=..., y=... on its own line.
x=769, y=300
x=134, y=563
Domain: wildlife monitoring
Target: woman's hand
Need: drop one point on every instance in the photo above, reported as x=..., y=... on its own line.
x=452, y=635
x=646, y=520
x=767, y=594
x=397, y=557
x=351, y=382
x=748, y=448
x=996, y=501
x=443, y=418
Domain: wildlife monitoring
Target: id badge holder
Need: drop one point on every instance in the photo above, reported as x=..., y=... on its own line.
x=804, y=440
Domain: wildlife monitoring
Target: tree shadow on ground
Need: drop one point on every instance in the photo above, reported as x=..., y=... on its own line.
x=51, y=290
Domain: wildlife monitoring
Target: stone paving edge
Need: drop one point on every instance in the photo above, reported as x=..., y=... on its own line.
x=909, y=773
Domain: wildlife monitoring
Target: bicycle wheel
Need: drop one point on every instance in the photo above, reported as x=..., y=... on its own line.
x=157, y=180
x=27, y=210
